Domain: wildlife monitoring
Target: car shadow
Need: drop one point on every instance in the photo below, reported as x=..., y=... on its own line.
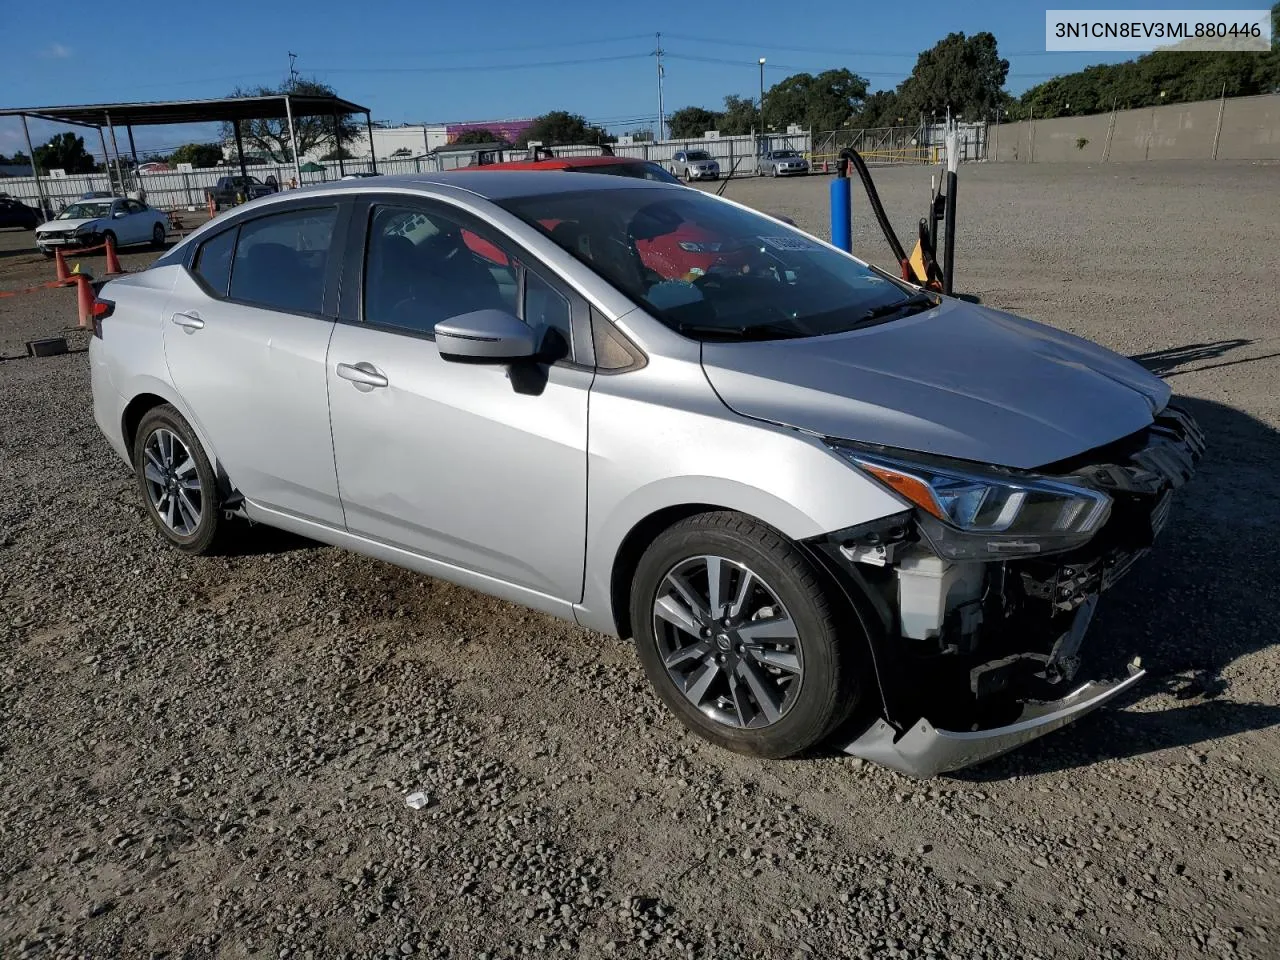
x=1199, y=603
x=257, y=540
x=1161, y=362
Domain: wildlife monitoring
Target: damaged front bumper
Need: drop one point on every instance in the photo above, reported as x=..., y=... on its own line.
x=976, y=658
x=926, y=751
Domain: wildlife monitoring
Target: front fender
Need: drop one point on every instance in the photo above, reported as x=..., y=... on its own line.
x=650, y=457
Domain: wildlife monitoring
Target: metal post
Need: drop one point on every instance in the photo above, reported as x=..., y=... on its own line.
x=373, y=154
x=949, y=241
x=106, y=162
x=662, y=109
x=293, y=140
x=240, y=153
x=35, y=171
x=115, y=148
x=762, y=129
x=1222, y=106
x=337, y=140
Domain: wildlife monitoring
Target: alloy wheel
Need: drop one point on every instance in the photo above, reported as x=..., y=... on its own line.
x=727, y=642
x=172, y=482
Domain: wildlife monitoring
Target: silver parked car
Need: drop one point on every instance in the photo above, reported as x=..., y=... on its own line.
x=695, y=165
x=818, y=499
x=783, y=163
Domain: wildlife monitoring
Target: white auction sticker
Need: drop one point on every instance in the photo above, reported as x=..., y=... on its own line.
x=1148, y=30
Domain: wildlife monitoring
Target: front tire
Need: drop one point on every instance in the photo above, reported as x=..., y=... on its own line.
x=177, y=482
x=736, y=631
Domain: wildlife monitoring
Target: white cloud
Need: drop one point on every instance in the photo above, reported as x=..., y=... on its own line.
x=58, y=51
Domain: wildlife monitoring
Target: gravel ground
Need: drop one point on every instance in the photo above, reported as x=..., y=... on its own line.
x=210, y=757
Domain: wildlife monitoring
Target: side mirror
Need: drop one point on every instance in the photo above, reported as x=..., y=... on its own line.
x=486, y=336
x=119, y=215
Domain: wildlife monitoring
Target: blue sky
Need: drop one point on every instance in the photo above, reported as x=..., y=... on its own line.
x=413, y=62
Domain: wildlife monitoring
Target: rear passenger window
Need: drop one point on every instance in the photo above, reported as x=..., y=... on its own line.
x=213, y=262
x=280, y=260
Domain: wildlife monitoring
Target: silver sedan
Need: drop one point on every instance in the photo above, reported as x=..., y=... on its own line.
x=818, y=499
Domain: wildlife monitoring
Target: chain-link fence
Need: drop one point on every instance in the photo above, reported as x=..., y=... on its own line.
x=923, y=143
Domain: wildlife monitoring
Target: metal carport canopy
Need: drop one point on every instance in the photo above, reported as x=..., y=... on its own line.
x=279, y=106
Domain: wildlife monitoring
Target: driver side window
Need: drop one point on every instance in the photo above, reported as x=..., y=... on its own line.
x=424, y=266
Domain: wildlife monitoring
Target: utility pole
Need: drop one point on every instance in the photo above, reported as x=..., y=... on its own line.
x=762, y=131
x=662, y=112
x=293, y=74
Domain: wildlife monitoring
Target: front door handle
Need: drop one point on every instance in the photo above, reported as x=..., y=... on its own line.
x=188, y=321
x=362, y=374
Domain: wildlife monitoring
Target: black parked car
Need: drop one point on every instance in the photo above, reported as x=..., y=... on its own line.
x=15, y=213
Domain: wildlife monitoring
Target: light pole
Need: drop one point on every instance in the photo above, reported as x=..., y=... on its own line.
x=761, y=106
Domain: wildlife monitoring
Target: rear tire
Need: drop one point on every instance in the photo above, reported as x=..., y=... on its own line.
x=157, y=235
x=770, y=673
x=179, y=488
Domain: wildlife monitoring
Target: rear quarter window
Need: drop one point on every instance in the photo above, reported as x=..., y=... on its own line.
x=212, y=263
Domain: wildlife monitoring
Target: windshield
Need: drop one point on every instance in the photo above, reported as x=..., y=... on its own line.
x=85, y=211
x=639, y=171
x=784, y=154
x=709, y=269
x=699, y=155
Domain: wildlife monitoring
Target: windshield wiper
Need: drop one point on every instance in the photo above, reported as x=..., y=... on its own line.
x=750, y=331
x=916, y=303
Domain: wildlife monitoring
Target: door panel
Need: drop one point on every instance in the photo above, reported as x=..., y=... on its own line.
x=255, y=380
x=450, y=461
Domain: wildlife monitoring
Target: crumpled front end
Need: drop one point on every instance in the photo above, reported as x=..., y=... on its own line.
x=977, y=657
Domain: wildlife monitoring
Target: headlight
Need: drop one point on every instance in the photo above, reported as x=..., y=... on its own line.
x=969, y=514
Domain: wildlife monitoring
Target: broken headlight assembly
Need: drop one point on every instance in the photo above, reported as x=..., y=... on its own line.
x=966, y=512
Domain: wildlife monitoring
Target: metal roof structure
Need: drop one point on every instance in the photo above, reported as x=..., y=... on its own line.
x=234, y=110
x=230, y=109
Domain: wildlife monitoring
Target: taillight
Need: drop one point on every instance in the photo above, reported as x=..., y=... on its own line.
x=101, y=310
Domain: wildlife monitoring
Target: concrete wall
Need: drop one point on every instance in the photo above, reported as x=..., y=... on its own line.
x=1183, y=131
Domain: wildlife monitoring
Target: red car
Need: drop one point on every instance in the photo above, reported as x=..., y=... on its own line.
x=685, y=254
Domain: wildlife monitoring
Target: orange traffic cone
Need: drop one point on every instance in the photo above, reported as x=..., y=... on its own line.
x=84, y=300
x=113, y=262
x=62, y=263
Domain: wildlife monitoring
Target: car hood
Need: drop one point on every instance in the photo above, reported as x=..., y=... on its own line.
x=61, y=225
x=957, y=381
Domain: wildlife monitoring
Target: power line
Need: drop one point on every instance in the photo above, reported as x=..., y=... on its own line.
x=843, y=51
x=487, y=68
x=586, y=42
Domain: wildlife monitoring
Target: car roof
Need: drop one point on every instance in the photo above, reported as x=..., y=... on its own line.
x=495, y=184
x=560, y=163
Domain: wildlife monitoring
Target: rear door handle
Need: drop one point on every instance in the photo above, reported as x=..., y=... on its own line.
x=188, y=321
x=362, y=374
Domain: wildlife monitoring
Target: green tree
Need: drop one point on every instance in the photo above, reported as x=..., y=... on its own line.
x=400, y=153
x=825, y=102
x=338, y=153
x=199, y=155
x=880, y=109
x=688, y=123
x=740, y=116
x=65, y=152
x=271, y=137
x=479, y=136
x=963, y=73
x=560, y=127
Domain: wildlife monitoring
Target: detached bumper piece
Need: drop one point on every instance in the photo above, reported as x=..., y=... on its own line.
x=926, y=751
